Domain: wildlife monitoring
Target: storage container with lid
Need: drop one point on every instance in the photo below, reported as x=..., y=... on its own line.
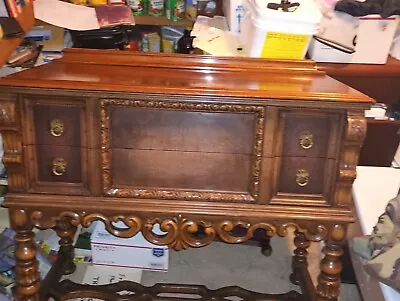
x=280, y=30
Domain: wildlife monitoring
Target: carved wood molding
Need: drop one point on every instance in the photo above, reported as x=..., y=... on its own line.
x=12, y=145
x=133, y=291
x=354, y=137
x=178, y=232
x=106, y=157
x=7, y=113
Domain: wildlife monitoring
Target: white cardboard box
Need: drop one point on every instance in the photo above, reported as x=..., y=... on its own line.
x=372, y=36
x=135, y=252
x=234, y=12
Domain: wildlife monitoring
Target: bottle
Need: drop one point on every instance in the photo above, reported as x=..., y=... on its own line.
x=185, y=43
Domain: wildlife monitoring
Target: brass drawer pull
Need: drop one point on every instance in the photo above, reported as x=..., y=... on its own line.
x=56, y=128
x=302, y=177
x=306, y=140
x=59, y=166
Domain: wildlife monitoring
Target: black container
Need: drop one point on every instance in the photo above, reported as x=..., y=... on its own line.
x=103, y=38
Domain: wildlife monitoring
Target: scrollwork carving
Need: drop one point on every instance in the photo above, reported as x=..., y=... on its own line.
x=314, y=232
x=106, y=157
x=133, y=291
x=43, y=220
x=224, y=229
x=180, y=232
x=132, y=224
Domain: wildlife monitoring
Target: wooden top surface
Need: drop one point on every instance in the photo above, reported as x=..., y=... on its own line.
x=179, y=74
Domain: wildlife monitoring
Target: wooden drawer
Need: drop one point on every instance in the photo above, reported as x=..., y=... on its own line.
x=57, y=169
x=61, y=123
x=308, y=134
x=306, y=178
x=59, y=164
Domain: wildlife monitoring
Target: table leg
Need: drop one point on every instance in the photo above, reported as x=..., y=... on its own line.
x=328, y=287
x=66, y=231
x=300, y=256
x=27, y=280
x=265, y=244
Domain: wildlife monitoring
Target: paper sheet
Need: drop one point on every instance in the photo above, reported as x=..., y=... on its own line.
x=66, y=15
x=217, y=42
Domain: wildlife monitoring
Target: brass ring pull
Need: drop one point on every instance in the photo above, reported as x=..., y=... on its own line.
x=59, y=166
x=56, y=127
x=306, y=140
x=302, y=177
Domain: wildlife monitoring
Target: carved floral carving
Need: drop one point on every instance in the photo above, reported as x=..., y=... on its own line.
x=106, y=154
x=7, y=113
x=356, y=128
x=355, y=134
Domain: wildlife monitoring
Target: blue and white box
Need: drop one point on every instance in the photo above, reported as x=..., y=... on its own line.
x=135, y=252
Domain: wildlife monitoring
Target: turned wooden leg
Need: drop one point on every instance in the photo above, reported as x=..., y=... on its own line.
x=329, y=279
x=300, y=256
x=66, y=231
x=27, y=280
x=265, y=244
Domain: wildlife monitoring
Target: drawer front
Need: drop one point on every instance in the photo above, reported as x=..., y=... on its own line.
x=302, y=175
x=57, y=125
x=181, y=151
x=59, y=164
x=309, y=134
x=57, y=169
x=51, y=120
x=303, y=181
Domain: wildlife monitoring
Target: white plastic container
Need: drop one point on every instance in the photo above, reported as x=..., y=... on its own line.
x=234, y=12
x=276, y=34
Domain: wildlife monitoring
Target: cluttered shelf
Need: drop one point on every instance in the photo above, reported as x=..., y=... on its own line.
x=161, y=21
x=26, y=20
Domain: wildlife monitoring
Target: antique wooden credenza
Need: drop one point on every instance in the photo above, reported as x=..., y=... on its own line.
x=199, y=145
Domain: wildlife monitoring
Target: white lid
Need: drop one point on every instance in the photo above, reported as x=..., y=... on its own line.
x=306, y=12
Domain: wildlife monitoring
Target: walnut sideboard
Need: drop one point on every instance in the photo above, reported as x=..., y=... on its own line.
x=200, y=145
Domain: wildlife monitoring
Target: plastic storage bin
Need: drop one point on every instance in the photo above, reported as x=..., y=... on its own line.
x=274, y=33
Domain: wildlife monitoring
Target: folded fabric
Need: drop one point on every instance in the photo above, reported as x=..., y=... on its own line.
x=382, y=247
x=385, y=8
x=386, y=267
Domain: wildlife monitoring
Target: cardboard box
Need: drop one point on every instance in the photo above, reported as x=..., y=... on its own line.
x=51, y=37
x=135, y=252
x=234, y=12
x=346, y=39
